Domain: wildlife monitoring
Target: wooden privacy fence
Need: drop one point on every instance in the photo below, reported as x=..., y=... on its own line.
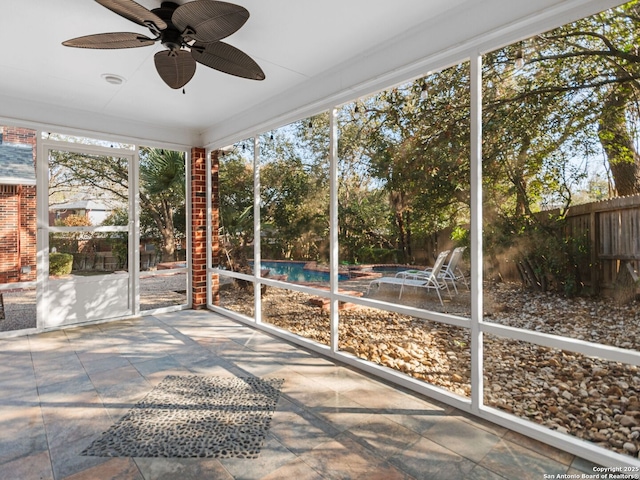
x=611, y=231
x=608, y=230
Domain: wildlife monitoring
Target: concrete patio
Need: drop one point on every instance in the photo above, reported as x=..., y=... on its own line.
x=60, y=390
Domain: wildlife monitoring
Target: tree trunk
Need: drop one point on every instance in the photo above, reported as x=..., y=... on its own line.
x=409, y=251
x=401, y=235
x=168, y=244
x=397, y=202
x=617, y=142
x=519, y=179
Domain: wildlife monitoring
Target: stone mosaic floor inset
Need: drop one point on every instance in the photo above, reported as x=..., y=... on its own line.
x=195, y=416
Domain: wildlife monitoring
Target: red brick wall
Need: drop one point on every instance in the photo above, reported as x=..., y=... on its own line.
x=19, y=136
x=18, y=235
x=198, y=228
x=9, y=234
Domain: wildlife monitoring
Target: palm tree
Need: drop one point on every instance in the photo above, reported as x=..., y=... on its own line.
x=162, y=194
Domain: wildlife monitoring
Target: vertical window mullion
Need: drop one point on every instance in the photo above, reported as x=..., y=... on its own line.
x=333, y=221
x=134, y=230
x=257, y=315
x=476, y=234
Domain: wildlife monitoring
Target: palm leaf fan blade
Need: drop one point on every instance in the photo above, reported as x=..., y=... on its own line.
x=110, y=41
x=227, y=59
x=209, y=21
x=175, y=68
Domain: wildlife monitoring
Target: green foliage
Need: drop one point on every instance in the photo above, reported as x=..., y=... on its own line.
x=162, y=173
x=60, y=264
x=553, y=259
x=377, y=255
x=419, y=151
x=118, y=241
x=162, y=197
x=236, y=206
x=294, y=205
x=461, y=236
x=404, y=159
x=162, y=188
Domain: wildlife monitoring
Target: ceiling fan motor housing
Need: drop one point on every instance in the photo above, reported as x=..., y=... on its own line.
x=169, y=37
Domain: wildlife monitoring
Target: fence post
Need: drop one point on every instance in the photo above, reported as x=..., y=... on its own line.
x=593, y=252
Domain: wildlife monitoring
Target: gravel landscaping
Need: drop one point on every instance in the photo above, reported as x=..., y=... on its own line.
x=586, y=397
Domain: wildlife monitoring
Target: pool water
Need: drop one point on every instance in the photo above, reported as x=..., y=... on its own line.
x=296, y=272
x=391, y=271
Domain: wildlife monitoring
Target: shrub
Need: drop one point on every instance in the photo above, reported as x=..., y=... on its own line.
x=60, y=263
x=552, y=258
x=377, y=255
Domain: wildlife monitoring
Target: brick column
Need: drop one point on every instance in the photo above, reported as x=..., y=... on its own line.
x=215, y=225
x=198, y=228
x=9, y=231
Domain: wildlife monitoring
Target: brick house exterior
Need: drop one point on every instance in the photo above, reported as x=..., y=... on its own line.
x=17, y=206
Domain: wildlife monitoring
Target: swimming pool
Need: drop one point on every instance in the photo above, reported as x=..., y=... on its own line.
x=296, y=272
x=392, y=270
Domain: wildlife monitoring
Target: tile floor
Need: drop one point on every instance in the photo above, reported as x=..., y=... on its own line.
x=60, y=390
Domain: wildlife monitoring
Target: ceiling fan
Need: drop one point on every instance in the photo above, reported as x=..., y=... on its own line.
x=190, y=32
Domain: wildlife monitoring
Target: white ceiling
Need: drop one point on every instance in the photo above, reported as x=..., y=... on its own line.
x=314, y=53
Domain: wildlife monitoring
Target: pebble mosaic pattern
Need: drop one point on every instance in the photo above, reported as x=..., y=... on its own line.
x=194, y=416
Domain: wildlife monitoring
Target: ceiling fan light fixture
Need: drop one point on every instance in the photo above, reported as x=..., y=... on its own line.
x=113, y=79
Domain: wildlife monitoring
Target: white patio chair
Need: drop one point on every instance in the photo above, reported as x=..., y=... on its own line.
x=433, y=280
x=451, y=271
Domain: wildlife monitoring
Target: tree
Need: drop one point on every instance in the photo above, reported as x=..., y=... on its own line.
x=292, y=208
x=82, y=176
x=592, y=66
x=162, y=194
x=236, y=204
x=363, y=232
x=419, y=152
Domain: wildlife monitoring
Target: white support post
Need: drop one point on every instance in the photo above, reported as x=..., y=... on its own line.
x=42, y=234
x=476, y=234
x=333, y=216
x=134, y=231
x=257, y=308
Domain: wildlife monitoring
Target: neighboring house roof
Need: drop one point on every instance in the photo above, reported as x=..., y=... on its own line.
x=16, y=165
x=81, y=205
